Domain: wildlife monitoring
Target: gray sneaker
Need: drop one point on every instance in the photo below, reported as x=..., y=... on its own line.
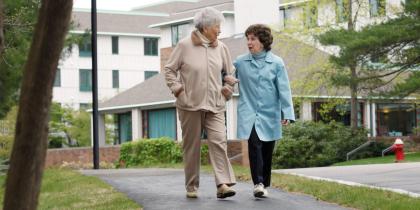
x=265, y=195
x=259, y=190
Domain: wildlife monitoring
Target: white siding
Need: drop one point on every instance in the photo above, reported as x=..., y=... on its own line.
x=131, y=63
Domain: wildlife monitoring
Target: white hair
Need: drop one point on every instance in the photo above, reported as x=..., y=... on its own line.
x=206, y=17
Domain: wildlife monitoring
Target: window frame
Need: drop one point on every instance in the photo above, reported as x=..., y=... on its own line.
x=88, y=86
x=115, y=78
x=153, y=73
x=152, y=50
x=115, y=45
x=57, y=79
x=85, y=47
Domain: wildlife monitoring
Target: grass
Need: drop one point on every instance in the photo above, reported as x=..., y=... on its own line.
x=411, y=157
x=347, y=196
x=66, y=189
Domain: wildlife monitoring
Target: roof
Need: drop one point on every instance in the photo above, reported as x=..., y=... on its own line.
x=179, y=6
x=118, y=22
x=180, y=12
x=152, y=91
x=296, y=56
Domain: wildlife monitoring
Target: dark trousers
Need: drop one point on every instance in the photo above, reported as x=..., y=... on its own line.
x=260, y=158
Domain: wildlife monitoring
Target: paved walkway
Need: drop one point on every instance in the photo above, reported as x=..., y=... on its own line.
x=163, y=189
x=398, y=177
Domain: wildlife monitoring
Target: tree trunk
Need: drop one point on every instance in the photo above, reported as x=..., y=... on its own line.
x=1, y=27
x=353, y=80
x=29, y=150
x=353, y=93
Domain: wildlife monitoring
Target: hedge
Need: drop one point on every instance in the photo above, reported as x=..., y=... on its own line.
x=146, y=152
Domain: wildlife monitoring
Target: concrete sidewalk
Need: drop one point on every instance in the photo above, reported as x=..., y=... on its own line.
x=398, y=177
x=164, y=189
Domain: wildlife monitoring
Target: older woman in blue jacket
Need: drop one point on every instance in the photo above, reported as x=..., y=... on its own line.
x=265, y=102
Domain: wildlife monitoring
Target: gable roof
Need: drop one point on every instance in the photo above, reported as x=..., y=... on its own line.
x=180, y=12
x=118, y=22
x=151, y=92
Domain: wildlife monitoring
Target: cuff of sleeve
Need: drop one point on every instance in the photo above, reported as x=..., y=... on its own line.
x=175, y=88
x=289, y=116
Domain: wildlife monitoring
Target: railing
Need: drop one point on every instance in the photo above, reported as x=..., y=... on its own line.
x=386, y=150
x=358, y=148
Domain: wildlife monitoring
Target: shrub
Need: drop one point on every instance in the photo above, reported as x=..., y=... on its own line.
x=6, y=143
x=311, y=144
x=55, y=141
x=146, y=152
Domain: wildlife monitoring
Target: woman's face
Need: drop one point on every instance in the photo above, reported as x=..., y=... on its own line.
x=254, y=44
x=211, y=32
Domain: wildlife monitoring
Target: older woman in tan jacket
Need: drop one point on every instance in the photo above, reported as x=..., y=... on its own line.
x=194, y=75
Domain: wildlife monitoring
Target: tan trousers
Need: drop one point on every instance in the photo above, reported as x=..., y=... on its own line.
x=192, y=123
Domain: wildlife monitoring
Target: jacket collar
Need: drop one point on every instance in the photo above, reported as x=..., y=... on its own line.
x=197, y=40
x=268, y=57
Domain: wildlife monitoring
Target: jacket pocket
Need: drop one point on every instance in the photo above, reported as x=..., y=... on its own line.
x=221, y=100
x=182, y=98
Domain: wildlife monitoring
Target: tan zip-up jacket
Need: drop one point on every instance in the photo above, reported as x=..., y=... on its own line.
x=200, y=74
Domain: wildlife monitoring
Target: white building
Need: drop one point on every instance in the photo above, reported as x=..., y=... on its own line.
x=144, y=115
x=128, y=53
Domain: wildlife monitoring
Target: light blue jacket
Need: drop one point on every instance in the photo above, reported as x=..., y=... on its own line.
x=264, y=92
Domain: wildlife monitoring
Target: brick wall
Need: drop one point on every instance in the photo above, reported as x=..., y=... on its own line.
x=238, y=152
x=111, y=154
x=164, y=56
x=83, y=155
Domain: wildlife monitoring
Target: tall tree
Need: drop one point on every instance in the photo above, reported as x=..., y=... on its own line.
x=19, y=18
x=29, y=149
x=393, y=45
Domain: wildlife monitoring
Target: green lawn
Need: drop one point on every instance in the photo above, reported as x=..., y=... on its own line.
x=66, y=189
x=412, y=157
x=353, y=197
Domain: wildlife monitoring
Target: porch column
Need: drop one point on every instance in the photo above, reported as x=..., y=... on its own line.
x=231, y=118
x=374, y=119
x=136, y=124
x=306, y=110
x=178, y=128
x=101, y=130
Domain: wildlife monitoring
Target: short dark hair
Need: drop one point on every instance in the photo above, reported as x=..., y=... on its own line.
x=263, y=33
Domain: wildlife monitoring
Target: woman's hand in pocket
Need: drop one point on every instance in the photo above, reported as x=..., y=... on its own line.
x=176, y=94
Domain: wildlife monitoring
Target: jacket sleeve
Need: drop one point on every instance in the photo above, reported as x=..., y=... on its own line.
x=227, y=61
x=285, y=95
x=171, y=69
x=228, y=68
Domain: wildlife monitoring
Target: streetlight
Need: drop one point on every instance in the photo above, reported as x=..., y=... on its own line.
x=95, y=88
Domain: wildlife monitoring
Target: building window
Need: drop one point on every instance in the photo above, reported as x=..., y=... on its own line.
x=124, y=127
x=148, y=74
x=151, y=46
x=85, y=80
x=377, y=7
x=161, y=123
x=340, y=113
x=395, y=119
x=287, y=15
x=85, y=47
x=178, y=32
x=114, y=44
x=57, y=80
x=341, y=11
x=85, y=106
x=115, y=79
